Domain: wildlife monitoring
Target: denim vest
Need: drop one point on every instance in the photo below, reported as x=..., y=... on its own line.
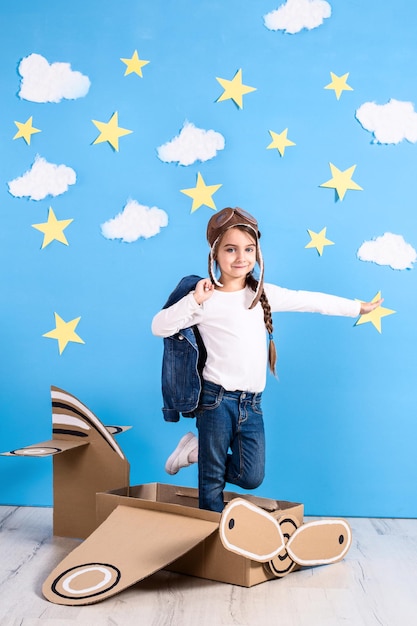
x=182, y=362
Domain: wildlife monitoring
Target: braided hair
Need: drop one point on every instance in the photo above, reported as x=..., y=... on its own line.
x=272, y=351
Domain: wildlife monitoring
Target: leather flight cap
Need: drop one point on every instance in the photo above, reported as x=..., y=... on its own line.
x=218, y=225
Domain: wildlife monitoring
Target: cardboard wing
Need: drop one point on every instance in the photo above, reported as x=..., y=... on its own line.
x=86, y=460
x=131, y=544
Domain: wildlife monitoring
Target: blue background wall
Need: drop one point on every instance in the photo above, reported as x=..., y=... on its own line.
x=341, y=420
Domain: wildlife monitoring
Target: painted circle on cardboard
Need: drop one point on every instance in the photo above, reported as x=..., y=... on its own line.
x=114, y=430
x=40, y=451
x=86, y=581
x=282, y=564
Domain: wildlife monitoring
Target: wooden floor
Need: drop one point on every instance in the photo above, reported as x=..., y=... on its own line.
x=375, y=585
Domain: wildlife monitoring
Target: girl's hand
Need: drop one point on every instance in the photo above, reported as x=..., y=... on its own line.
x=203, y=290
x=367, y=307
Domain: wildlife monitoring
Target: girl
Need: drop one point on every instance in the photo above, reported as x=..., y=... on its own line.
x=231, y=313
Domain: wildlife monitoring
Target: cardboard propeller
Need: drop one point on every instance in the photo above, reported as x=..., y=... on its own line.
x=282, y=543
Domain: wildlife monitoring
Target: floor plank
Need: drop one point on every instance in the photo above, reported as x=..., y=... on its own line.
x=375, y=585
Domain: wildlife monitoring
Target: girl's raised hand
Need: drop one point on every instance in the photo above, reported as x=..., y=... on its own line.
x=367, y=307
x=203, y=290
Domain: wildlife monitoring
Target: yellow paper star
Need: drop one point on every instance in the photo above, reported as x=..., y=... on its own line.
x=376, y=315
x=26, y=130
x=53, y=229
x=64, y=332
x=318, y=240
x=134, y=65
x=280, y=141
x=234, y=89
x=111, y=131
x=339, y=84
x=201, y=194
x=341, y=181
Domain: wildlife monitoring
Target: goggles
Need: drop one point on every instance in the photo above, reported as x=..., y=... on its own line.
x=227, y=218
x=226, y=215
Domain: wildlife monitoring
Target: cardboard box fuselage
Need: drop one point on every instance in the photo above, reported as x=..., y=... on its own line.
x=208, y=559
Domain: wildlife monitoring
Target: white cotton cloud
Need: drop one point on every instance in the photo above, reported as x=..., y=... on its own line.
x=294, y=15
x=191, y=145
x=389, y=249
x=135, y=221
x=43, y=179
x=44, y=82
x=389, y=123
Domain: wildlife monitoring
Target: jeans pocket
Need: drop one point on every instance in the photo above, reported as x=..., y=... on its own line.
x=257, y=408
x=209, y=400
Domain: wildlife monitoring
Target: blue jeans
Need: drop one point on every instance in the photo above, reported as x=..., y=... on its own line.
x=231, y=443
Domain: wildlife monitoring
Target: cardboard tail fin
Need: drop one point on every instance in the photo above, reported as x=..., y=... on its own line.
x=80, y=474
x=86, y=460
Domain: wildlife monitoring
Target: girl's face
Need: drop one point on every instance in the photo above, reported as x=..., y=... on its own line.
x=236, y=255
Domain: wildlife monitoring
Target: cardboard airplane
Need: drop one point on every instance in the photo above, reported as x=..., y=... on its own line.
x=131, y=532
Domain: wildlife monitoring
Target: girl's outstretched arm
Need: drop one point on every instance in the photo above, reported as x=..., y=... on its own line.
x=367, y=307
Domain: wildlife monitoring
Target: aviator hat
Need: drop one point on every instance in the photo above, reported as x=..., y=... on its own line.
x=218, y=225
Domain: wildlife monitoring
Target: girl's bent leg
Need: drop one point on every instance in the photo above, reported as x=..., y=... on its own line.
x=246, y=465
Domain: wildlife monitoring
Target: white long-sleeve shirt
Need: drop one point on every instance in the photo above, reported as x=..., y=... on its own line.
x=234, y=335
